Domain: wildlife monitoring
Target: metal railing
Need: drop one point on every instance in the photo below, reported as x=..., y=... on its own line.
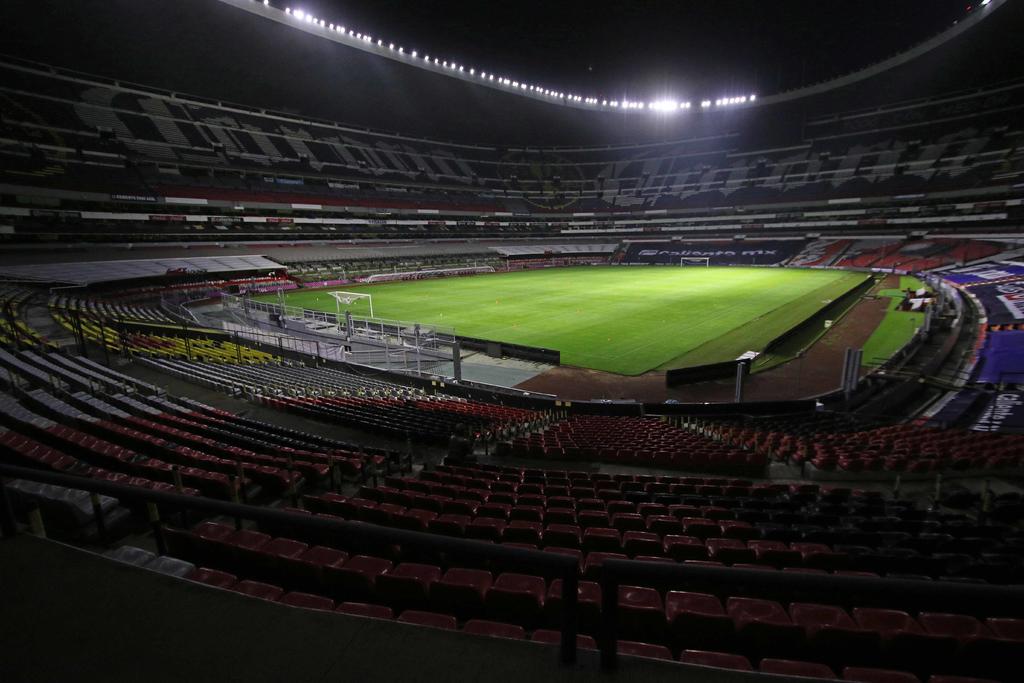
x=945, y=596
x=566, y=567
x=942, y=596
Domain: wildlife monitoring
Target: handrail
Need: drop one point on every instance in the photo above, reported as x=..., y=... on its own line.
x=567, y=567
x=1003, y=600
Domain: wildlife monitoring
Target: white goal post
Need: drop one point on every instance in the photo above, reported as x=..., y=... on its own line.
x=695, y=261
x=348, y=298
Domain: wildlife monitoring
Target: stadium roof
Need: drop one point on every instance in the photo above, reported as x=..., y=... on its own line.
x=222, y=53
x=663, y=57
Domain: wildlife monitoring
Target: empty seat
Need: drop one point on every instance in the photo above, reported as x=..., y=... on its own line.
x=730, y=551
x=906, y=646
x=213, y=577
x=356, y=579
x=682, y=548
x=551, y=637
x=494, y=629
x=791, y=667
x=274, y=557
x=764, y=628
x=307, y=569
x=602, y=539
x=1012, y=629
x=517, y=598
x=592, y=565
x=461, y=591
x=641, y=614
x=257, y=589
x=432, y=619
x=362, y=609
x=407, y=585
x=832, y=637
x=588, y=596
x=636, y=543
x=868, y=675
x=698, y=621
x=959, y=626
x=631, y=648
x=885, y=620
x=562, y=536
x=307, y=601
x=722, y=660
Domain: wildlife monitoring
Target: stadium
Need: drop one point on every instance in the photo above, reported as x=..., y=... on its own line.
x=393, y=340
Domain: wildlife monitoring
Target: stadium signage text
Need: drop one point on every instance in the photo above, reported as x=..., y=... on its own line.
x=1004, y=413
x=707, y=252
x=152, y=199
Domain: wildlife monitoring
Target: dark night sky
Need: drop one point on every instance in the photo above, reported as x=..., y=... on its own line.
x=649, y=48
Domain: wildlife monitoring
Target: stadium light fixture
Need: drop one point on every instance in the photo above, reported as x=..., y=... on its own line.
x=661, y=105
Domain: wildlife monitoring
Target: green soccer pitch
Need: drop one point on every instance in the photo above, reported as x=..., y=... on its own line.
x=625, y=320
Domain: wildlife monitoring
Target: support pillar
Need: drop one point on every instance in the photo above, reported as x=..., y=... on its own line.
x=457, y=361
x=740, y=372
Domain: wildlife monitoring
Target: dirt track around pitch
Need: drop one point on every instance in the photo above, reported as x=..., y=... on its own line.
x=814, y=372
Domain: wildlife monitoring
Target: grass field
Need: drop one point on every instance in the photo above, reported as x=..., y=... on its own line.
x=625, y=320
x=896, y=328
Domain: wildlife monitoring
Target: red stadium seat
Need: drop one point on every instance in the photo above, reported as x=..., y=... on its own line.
x=256, y=589
x=213, y=577
x=517, y=598
x=494, y=629
x=431, y=619
x=633, y=649
x=789, y=667
x=602, y=539
x=833, y=637
x=461, y=592
x=641, y=543
x=764, y=628
x=588, y=597
x=550, y=637
x=641, y=614
x=867, y=675
x=959, y=626
x=721, y=660
x=307, y=569
x=356, y=579
x=364, y=610
x=698, y=621
x=408, y=585
x=307, y=601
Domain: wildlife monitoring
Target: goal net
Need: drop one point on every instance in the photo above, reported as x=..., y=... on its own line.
x=346, y=299
x=695, y=261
